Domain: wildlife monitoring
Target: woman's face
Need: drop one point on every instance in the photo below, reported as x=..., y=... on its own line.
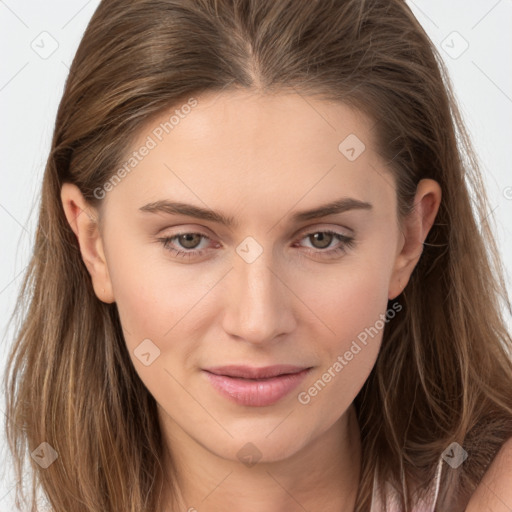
x=265, y=279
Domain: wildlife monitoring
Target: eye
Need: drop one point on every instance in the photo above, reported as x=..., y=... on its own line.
x=187, y=241
x=322, y=240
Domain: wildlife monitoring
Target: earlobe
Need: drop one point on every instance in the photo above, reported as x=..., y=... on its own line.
x=83, y=220
x=415, y=230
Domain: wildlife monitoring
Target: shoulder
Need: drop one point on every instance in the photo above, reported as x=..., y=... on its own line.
x=494, y=493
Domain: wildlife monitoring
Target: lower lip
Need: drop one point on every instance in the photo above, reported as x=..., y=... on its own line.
x=256, y=393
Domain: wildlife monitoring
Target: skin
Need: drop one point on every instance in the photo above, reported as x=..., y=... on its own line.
x=494, y=493
x=259, y=159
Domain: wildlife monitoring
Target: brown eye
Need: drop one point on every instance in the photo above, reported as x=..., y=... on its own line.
x=189, y=240
x=186, y=245
x=321, y=240
x=326, y=243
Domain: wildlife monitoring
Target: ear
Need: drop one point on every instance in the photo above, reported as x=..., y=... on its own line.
x=83, y=220
x=414, y=232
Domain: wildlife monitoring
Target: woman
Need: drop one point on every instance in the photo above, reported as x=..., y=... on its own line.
x=258, y=281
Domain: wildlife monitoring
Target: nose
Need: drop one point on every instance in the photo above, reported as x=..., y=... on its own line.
x=258, y=306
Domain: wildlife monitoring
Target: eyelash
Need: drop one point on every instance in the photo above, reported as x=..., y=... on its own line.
x=346, y=243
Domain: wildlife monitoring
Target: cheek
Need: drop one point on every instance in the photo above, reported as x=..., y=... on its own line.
x=350, y=298
x=151, y=293
x=351, y=306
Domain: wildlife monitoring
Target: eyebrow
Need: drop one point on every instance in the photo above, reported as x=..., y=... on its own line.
x=176, y=208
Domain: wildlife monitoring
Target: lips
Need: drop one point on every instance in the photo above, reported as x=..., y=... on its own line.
x=248, y=372
x=256, y=387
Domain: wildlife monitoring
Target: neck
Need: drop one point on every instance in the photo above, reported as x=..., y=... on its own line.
x=322, y=476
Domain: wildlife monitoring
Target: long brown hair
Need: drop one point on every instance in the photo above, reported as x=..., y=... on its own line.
x=444, y=372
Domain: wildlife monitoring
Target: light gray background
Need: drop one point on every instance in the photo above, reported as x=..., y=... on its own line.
x=32, y=80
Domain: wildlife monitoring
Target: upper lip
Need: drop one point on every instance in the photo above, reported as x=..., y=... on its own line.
x=250, y=372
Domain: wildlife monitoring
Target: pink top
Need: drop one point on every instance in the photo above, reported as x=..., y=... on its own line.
x=386, y=500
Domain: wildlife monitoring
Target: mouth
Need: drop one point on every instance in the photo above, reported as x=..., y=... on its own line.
x=256, y=387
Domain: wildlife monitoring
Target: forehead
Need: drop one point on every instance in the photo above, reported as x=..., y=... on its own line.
x=249, y=145
x=261, y=122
